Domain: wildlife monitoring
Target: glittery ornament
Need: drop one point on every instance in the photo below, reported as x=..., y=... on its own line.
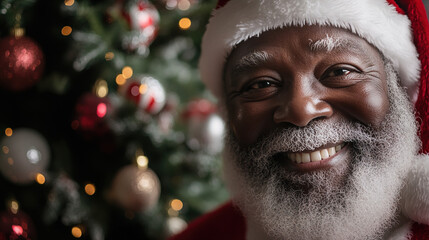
x=23, y=155
x=91, y=112
x=21, y=63
x=136, y=189
x=147, y=92
x=17, y=226
x=143, y=19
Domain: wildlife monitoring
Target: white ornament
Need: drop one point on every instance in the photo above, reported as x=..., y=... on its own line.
x=147, y=92
x=23, y=155
x=206, y=134
x=175, y=225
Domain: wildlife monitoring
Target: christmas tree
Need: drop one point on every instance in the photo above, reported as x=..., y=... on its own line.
x=106, y=130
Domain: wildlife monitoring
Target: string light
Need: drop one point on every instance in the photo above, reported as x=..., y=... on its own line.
x=90, y=189
x=120, y=79
x=101, y=110
x=14, y=207
x=127, y=72
x=101, y=88
x=76, y=232
x=185, y=23
x=176, y=204
x=172, y=212
x=10, y=161
x=143, y=89
x=184, y=5
x=40, y=179
x=142, y=161
x=8, y=132
x=68, y=2
x=109, y=56
x=5, y=149
x=66, y=30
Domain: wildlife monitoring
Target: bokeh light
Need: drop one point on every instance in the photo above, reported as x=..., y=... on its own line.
x=101, y=88
x=185, y=23
x=120, y=79
x=101, y=110
x=109, y=56
x=68, y=2
x=66, y=30
x=8, y=132
x=127, y=72
x=176, y=204
x=143, y=89
x=90, y=189
x=76, y=232
x=183, y=5
x=5, y=149
x=40, y=179
x=142, y=161
x=14, y=207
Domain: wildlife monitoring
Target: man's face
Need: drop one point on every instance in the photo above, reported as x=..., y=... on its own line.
x=295, y=75
x=319, y=140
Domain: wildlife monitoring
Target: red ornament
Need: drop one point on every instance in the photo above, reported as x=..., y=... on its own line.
x=146, y=92
x=91, y=112
x=21, y=63
x=17, y=226
x=143, y=19
x=199, y=109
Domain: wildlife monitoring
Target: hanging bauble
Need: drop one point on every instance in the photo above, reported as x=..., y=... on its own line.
x=21, y=63
x=174, y=225
x=198, y=109
x=91, y=112
x=24, y=154
x=145, y=91
x=205, y=127
x=206, y=134
x=16, y=226
x=136, y=189
x=143, y=20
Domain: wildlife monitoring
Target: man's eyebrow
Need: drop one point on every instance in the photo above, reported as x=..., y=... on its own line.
x=329, y=43
x=250, y=60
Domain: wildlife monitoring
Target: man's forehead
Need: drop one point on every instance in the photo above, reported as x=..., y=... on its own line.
x=335, y=41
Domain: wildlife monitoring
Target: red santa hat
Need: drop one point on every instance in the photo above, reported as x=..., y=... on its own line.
x=398, y=29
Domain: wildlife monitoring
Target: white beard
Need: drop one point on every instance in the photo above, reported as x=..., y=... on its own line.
x=356, y=200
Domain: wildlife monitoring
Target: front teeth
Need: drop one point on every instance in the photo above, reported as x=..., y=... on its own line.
x=314, y=156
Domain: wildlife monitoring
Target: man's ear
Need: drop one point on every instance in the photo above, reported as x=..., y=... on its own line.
x=415, y=194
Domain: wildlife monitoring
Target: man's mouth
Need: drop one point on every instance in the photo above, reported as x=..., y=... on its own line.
x=316, y=155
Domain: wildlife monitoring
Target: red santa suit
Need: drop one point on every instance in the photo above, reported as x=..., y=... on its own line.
x=398, y=29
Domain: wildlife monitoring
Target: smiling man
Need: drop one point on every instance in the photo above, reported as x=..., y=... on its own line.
x=320, y=100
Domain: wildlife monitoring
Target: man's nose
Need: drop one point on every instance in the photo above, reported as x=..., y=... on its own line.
x=302, y=105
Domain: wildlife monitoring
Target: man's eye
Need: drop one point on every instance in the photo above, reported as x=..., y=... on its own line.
x=260, y=84
x=338, y=72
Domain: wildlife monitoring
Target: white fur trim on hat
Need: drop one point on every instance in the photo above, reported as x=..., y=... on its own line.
x=374, y=20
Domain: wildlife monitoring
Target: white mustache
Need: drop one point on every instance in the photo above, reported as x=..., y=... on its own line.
x=315, y=135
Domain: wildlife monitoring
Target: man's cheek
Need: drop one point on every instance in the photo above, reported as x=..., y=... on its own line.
x=250, y=121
